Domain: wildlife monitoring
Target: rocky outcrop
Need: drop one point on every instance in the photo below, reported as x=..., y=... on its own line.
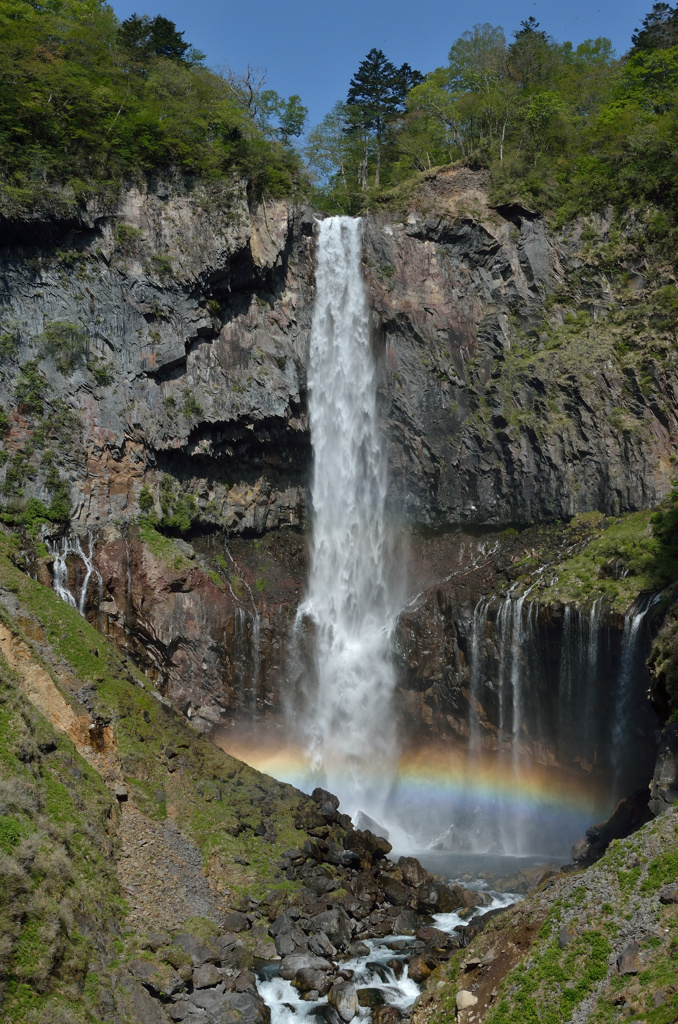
x=508, y=395
x=494, y=416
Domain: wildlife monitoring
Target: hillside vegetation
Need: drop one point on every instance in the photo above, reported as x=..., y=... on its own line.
x=86, y=102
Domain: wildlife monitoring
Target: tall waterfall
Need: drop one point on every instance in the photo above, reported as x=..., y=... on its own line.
x=348, y=725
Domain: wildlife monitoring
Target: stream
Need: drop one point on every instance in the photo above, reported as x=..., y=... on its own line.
x=384, y=968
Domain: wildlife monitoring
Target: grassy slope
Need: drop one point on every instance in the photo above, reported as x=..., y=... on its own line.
x=534, y=976
x=216, y=801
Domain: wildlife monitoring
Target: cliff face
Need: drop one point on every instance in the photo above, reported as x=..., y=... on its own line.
x=512, y=391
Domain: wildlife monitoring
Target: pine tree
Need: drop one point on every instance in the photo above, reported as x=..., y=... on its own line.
x=377, y=93
x=659, y=29
x=152, y=37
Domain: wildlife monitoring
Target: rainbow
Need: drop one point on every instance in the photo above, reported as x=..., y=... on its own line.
x=445, y=781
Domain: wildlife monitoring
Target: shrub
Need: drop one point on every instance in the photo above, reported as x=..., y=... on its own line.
x=9, y=343
x=31, y=388
x=65, y=342
x=191, y=407
x=178, y=508
x=4, y=423
x=146, y=500
x=103, y=375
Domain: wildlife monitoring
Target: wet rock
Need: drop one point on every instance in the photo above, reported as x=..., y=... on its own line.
x=370, y=997
x=421, y=965
x=386, y=1015
x=358, y=949
x=308, y=980
x=664, y=787
x=438, y=898
x=344, y=998
x=628, y=961
x=335, y=924
x=397, y=966
x=324, y=1014
x=206, y=976
x=321, y=945
x=291, y=965
x=412, y=871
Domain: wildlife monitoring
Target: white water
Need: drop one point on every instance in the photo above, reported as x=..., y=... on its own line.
x=348, y=726
x=60, y=550
x=287, y=1006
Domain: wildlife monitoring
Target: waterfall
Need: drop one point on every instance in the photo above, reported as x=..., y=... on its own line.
x=60, y=550
x=351, y=603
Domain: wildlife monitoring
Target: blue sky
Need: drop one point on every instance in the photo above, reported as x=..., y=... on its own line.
x=312, y=47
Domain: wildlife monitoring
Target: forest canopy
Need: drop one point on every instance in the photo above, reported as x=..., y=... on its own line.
x=87, y=101
x=562, y=128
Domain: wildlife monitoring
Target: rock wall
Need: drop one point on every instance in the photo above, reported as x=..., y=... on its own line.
x=508, y=393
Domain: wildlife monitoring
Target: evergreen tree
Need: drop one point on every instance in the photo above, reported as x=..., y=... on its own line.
x=659, y=29
x=532, y=55
x=152, y=37
x=377, y=93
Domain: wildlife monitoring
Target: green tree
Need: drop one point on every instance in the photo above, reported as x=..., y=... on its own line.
x=147, y=37
x=659, y=29
x=377, y=94
x=532, y=55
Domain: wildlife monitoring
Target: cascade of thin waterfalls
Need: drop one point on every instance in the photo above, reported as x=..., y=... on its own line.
x=60, y=550
x=348, y=727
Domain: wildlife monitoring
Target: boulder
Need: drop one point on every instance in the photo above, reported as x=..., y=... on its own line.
x=465, y=999
x=394, y=891
x=370, y=997
x=206, y=976
x=321, y=945
x=322, y=796
x=132, y=1001
x=344, y=998
x=290, y=940
x=199, y=953
x=335, y=924
x=161, y=979
x=628, y=961
x=386, y=1015
x=291, y=965
x=439, y=898
x=669, y=894
x=235, y=922
x=421, y=965
x=309, y=979
x=412, y=871
x=405, y=922
x=358, y=949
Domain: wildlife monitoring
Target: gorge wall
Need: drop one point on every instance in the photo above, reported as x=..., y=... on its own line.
x=522, y=381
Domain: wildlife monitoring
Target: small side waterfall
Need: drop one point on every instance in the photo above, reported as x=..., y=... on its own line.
x=589, y=721
x=351, y=603
x=60, y=549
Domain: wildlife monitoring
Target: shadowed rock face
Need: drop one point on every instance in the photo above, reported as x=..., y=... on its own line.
x=200, y=306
